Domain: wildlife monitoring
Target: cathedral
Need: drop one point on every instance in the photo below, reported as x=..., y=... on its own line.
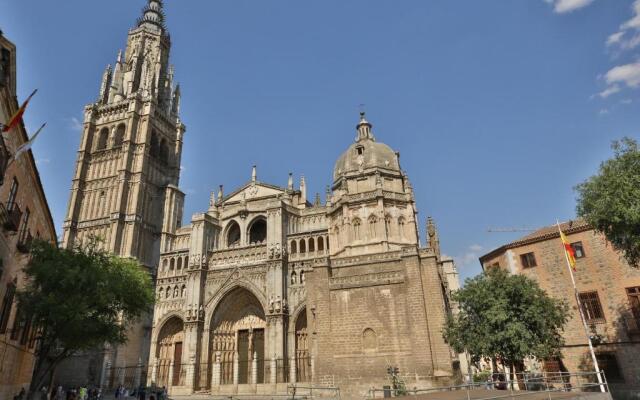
x=264, y=289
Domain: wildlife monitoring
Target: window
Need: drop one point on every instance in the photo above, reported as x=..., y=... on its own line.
x=5, y=66
x=609, y=364
x=356, y=229
x=233, y=234
x=12, y=194
x=528, y=260
x=591, y=307
x=360, y=150
x=633, y=293
x=5, y=312
x=103, y=137
x=25, y=219
x=578, y=249
x=258, y=231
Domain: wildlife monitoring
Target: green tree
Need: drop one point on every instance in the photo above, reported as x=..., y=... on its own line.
x=610, y=200
x=79, y=299
x=507, y=318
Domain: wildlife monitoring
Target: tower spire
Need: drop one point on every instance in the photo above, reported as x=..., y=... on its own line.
x=364, y=128
x=153, y=15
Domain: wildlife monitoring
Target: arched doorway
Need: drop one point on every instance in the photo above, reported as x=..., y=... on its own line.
x=303, y=358
x=238, y=338
x=168, y=351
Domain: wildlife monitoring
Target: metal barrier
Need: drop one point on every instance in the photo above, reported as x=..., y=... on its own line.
x=525, y=384
x=329, y=392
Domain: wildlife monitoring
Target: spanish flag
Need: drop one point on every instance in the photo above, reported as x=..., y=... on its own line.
x=571, y=254
x=17, y=117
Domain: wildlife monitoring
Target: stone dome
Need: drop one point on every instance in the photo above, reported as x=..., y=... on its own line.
x=366, y=153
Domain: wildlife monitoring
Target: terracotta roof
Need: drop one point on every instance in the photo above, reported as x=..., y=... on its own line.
x=544, y=233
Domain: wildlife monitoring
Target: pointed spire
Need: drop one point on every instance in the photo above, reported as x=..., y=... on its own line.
x=364, y=128
x=254, y=174
x=212, y=200
x=327, y=199
x=303, y=190
x=290, y=182
x=317, y=201
x=152, y=15
x=119, y=56
x=220, y=193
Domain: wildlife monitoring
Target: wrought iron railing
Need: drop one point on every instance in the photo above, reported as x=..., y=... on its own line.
x=10, y=216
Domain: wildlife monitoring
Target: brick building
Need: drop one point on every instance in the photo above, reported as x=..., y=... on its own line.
x=609, y=290
x=24, y=215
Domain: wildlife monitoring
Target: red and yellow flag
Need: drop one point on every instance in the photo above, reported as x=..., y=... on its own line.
x=17, y=117
x=571, y=254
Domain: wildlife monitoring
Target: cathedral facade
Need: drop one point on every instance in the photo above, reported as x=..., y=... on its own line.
x=266, y=289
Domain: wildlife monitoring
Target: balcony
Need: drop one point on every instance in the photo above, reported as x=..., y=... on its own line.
x=10, y=216
x=24, y=241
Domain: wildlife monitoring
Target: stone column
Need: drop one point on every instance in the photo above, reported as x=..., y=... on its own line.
x=274, y=369
x=236, y=369
x=216, y=371
x=154, y=372
x=170, y=377
x=292, y=369
x=254, y=368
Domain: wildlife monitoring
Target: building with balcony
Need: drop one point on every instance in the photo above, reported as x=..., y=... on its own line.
x=609, y=292
x=24, y=215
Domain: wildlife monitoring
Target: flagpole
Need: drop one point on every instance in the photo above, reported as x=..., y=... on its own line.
x=584, y=321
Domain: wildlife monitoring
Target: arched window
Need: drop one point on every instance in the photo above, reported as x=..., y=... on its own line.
x=258, y=230
x=172, y=265
x=312, y=245
x=303, y=246
x=387, y=225
x=320, y=244
x=167, y=292
x=356, y=229
x=369, y=340
x=373, y=226
x=119, y=138
x=186, y=262
x=103, y=136
x=401, y=227
x=165, y=263
x=179, y=262
x=294, y=247
x=233, y=234
x=294, y=278
x=163, y=152
x=153, y=145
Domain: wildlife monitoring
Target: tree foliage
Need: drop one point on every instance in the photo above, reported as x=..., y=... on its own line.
x=610, y=200
x=506, y=317
x=80, y=299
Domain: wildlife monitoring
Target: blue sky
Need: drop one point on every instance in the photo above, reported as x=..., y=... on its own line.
x=498, y=108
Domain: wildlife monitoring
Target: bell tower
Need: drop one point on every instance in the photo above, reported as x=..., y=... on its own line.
x=128, y=162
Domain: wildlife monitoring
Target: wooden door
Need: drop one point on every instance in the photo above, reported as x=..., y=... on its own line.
x=177, y=364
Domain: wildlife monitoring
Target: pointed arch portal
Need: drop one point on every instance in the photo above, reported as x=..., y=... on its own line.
x=237, y=337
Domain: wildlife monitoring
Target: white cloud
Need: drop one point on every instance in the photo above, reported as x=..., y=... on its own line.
x=628, y=74
x=609, y=91
x=623, y=38
x=614, y=38
x=75, y=124
x=566, y=6
x=42, y=161
x=471, y=256
x=626, y=101
x=603, y=111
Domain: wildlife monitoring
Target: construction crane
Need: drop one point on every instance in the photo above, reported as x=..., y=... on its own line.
x=506, y=230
